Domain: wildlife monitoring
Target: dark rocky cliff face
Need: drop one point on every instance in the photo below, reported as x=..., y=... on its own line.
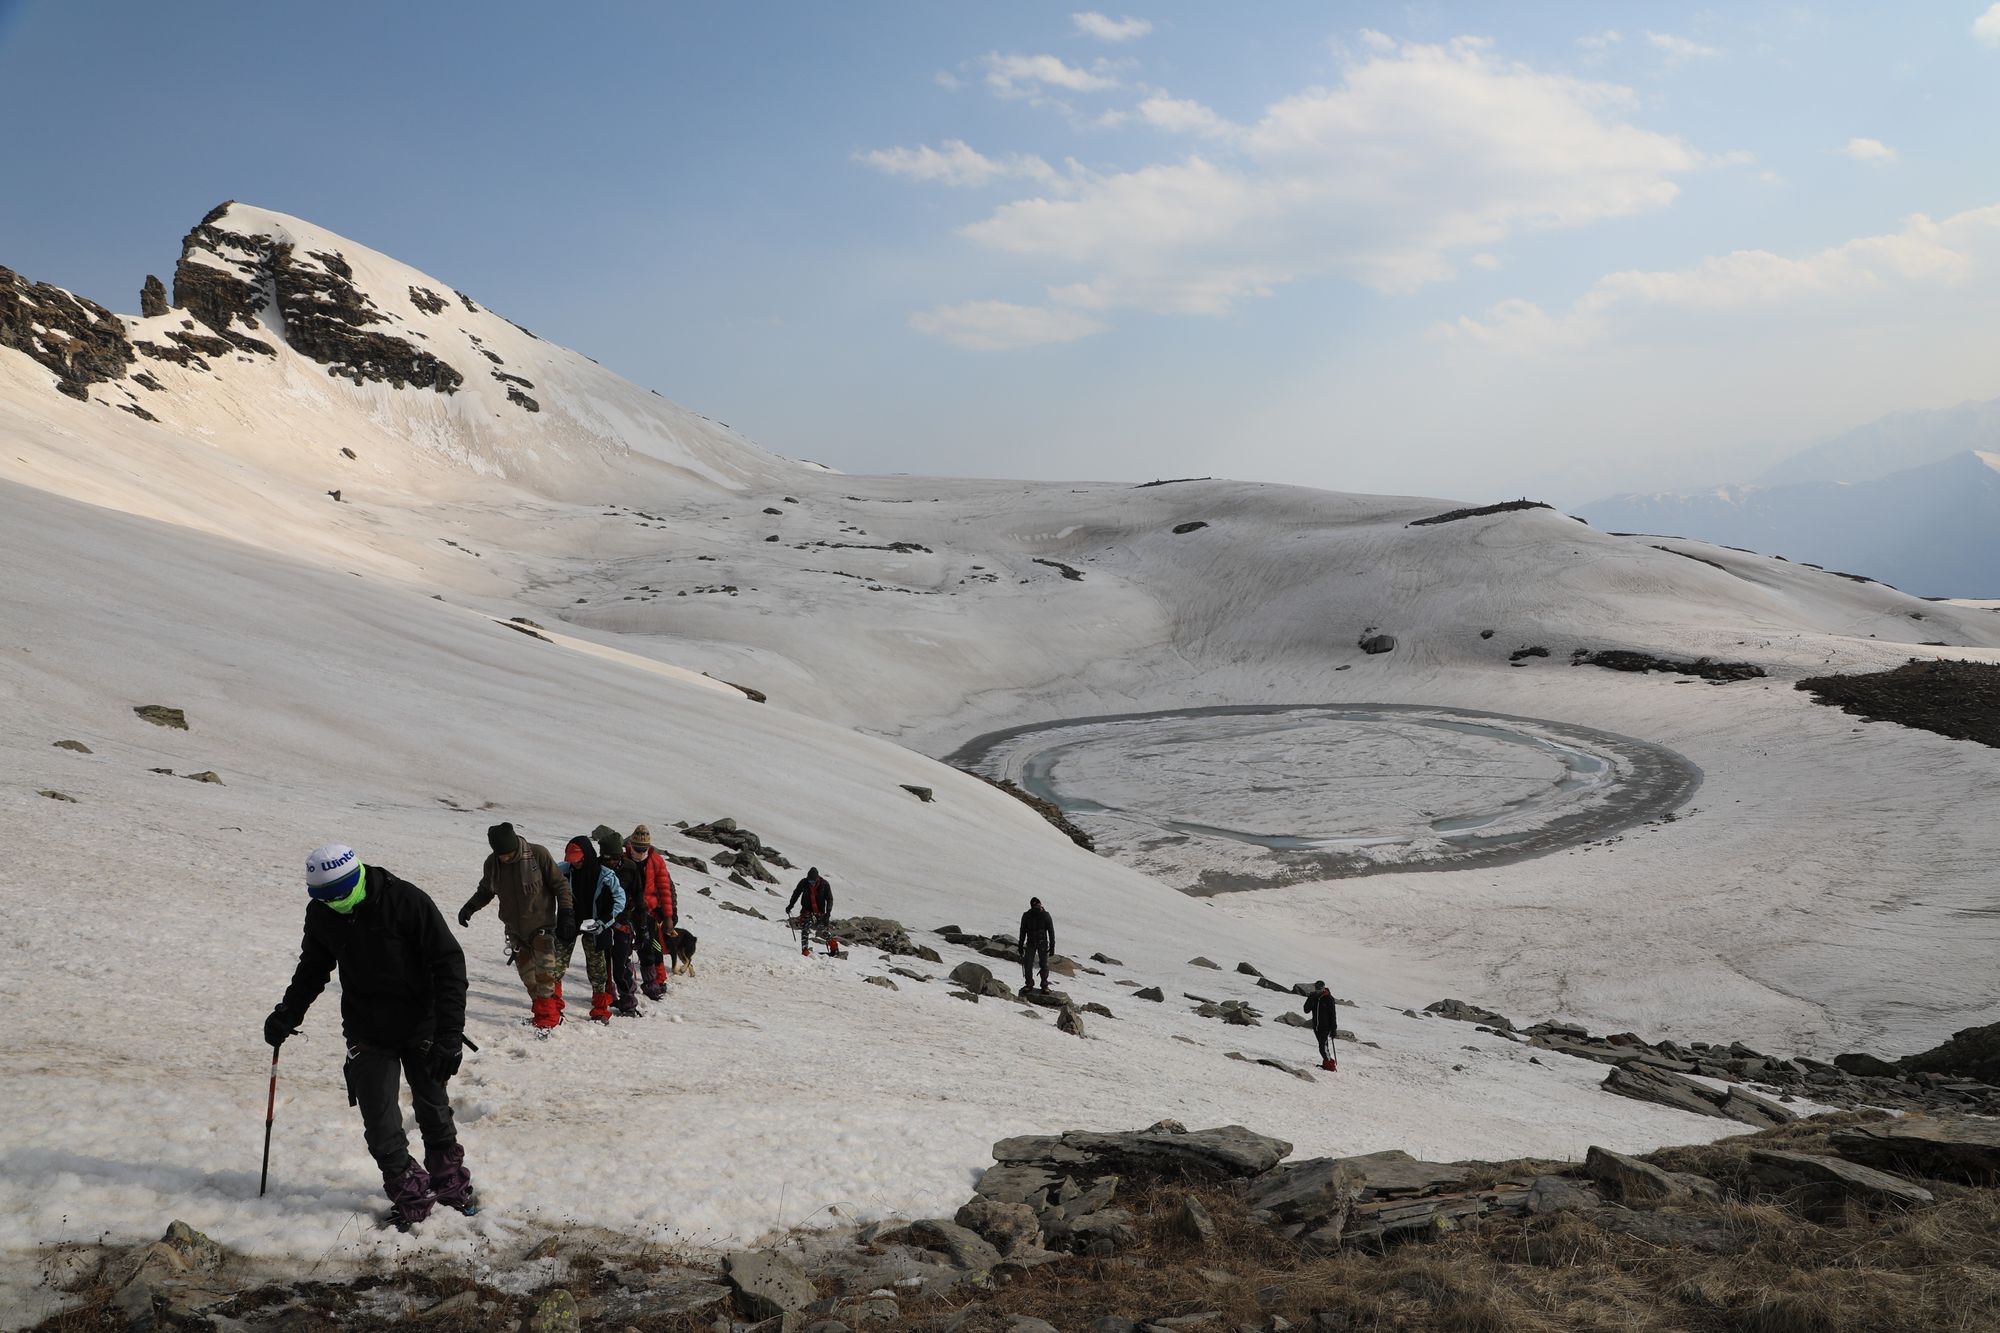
x=79, y=340
x=153, y=297
x=226, y=280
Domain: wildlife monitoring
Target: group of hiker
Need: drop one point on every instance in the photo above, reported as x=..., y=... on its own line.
x=612, y=892
x=403, y=981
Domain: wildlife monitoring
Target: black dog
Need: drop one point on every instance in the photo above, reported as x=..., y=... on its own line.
x=679, y=948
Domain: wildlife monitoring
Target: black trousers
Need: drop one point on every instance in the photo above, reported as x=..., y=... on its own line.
x=373, y=1075
x=1034, y=953
x=1325, y=1036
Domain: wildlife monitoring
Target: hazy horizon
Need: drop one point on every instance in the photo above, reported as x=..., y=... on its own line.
x=1445, y=250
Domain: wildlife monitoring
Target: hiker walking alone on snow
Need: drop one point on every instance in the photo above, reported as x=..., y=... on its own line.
x=599, y=898
x=1320, y=1007
x=402, y=1012
x=657, y=888
x=1037, y=942
x=812, y=900
x=535, y=912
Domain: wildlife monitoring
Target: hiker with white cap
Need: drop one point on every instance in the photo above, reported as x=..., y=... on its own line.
x=402, y=1012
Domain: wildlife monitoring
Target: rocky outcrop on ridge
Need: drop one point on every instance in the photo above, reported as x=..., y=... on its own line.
x=1952, y=698
x=227, y=279
x=76, y=339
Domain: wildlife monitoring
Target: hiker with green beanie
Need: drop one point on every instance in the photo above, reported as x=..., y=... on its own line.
x=536, y=914
x=402, y=1012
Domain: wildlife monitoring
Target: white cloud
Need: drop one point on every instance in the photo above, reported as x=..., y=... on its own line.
x=947, y=80
x=1185, y=116
x=1377, y=41
x=1987, y=27
x=1924, y=255
x=1107, y=29
x=1485, y=259
x=1596, y=43
x=1679, y=49
x=1418, y=157
x=999, y=326
x=954, y=162
x=1027, y=76
x=1869, y=150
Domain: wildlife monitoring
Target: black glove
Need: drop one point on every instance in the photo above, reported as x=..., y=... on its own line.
x=565, y=927
x=280, y=1025
x=442, y=1055
x=465, y=914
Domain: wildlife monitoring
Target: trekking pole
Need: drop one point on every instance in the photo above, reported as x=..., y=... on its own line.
x=270, y=1114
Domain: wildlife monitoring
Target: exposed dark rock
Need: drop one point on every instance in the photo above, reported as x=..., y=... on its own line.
x=426, y=300
x=77, y=746
x=208, y=775
x=877, y=932
x=522, y=400
x=1046, y=809
x=767, y=1284
x=1663, y=1088
x=226, y=278
x=144, y=379
x=1068, y=572
x=1865, y=1065
x=153, y=298
x=1952, y=698
x=1832, y=1179
x=1069, y=1020
x=1149, y=993
x=58, y=796
x=924, y=794
x=1204, y=962
x=1195, y=526
x=754, y=696
x=1959, y=1148
x=1622, y=659
x=137, y=411
x=1454, y=515
x=162, y=716
x=1468, y=1013
x=1632, y=1180
x=1522, y=654
x=1378, y=643
x=76, y=339
x=1228, y=1152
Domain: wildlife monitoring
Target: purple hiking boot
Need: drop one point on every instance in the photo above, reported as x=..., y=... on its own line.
x=451, y=1183
x=410, y=1196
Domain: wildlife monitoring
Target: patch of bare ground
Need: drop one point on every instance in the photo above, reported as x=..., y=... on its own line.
x=1953, y=698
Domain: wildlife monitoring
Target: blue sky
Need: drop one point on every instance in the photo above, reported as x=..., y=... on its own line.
x=1457, y=249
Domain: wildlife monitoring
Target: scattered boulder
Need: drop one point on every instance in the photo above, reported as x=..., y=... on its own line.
x=555, y=1313
x=1830, y=1179
x=1070, y=1021
x=1378, y=643
x=1203, y=962
x=883, y=982
x=1195, y=525
x=1230, y=1151
x=766, y=1283
x=1247, y=970
x=966, y=1248
x=1153, y=993
x=1865, y=1065
x=1959, y=1148
x=1621, y=659
x=973, y=976
x=878, y=932
x=924, y=794
x=1469, y=1013
x=1007, y=1227
x=1633, y=1180
x=57, y=796
x=1105, y=959
x=77, y=746
x=1665, y=1088
x=206, y=775
x=162, y=716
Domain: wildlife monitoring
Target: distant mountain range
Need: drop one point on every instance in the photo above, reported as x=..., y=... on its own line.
x=1912, y=499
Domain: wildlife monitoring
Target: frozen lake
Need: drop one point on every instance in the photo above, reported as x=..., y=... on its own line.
x=1215, y=799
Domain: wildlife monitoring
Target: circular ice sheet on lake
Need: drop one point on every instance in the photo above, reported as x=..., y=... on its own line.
x=1227, y=798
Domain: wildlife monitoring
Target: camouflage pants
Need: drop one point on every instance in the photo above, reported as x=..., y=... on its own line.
x=541, y=964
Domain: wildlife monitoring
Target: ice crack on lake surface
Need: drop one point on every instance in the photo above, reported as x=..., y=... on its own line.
x=1233, y=797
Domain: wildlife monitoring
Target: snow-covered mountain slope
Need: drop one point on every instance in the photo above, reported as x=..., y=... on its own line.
x=1932, y=529
x=762, y=1094
x=343, y=672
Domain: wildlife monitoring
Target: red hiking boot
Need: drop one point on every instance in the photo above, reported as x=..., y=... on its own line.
x=547, y=1015
x=600, y=1006
x=1330, y=1065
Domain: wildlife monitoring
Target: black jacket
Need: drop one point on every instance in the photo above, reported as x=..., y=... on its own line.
x=402, y=974
x=1038, y=929
x=1320, y=1005
x=813, y=897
